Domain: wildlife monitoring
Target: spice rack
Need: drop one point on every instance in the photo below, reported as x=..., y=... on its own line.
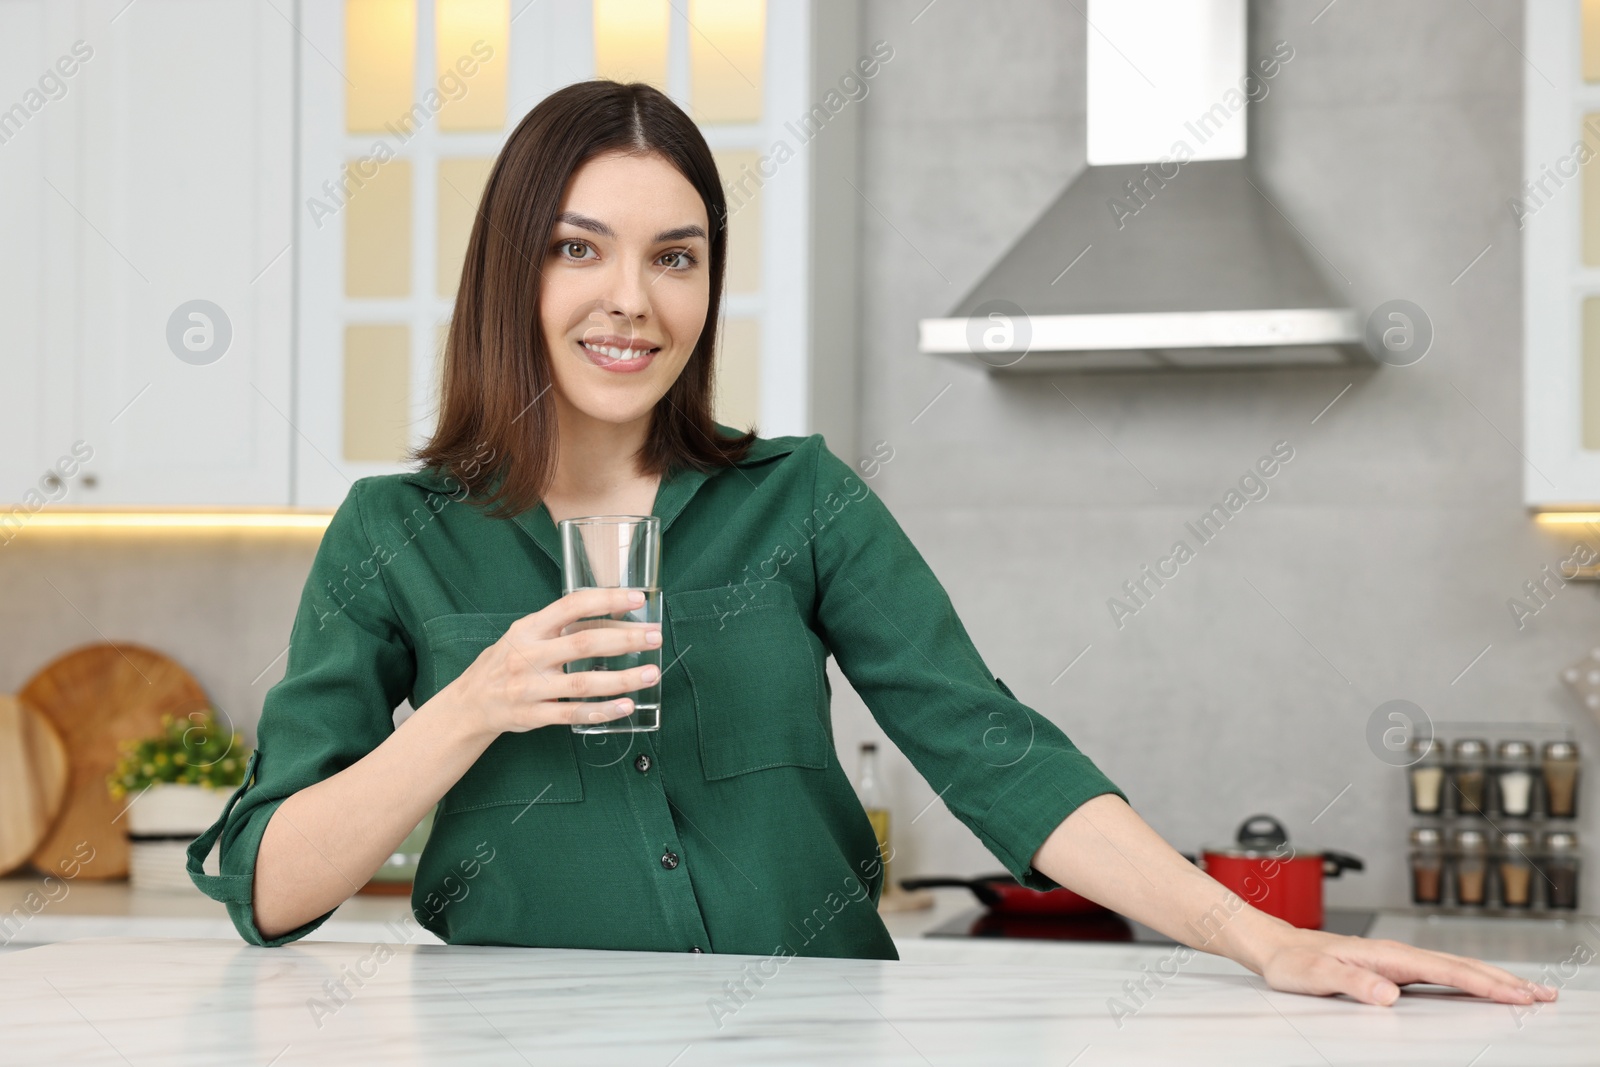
x=1495, y=833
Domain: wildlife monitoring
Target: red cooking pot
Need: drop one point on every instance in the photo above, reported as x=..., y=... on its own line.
x=1273, y=875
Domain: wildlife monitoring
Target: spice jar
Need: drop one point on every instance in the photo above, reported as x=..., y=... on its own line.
x=1471, y=867
x=1516, y=869
x=1561, y=779
x=1427, y=776
x=1427, y=865
x=1513, y=778
x=1469, y=772
x=1559, y=864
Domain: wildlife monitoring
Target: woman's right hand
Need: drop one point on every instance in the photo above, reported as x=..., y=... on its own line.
x=517, y=683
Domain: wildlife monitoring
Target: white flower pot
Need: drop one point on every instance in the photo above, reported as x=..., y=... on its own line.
x=176, y=809
x=167, y=818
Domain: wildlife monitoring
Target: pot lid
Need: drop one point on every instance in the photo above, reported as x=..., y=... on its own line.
x=1262, y=836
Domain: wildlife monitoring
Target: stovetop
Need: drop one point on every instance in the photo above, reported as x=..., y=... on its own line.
x=1101, y=926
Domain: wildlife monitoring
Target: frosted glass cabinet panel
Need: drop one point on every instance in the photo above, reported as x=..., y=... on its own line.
x=377, y=393
x=1591, y=374
x=475, y=92
x=726, y=45
x=738, y=398
x=1591, y=40
x=461, y=184
x=380, y=43
x=737, y=166
x=630, y=40
x=377, y=250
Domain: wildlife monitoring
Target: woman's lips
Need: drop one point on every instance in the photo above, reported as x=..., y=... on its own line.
x=628, y=357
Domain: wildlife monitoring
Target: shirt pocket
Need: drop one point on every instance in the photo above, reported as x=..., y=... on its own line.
x=755, y=680
x=517, y=768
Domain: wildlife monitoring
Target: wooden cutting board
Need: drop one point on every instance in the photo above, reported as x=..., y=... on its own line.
x=97, y=696
x=33, y=780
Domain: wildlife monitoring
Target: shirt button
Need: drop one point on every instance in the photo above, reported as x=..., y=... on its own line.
x=669, y=859
x=642, y=764
x=695, y=949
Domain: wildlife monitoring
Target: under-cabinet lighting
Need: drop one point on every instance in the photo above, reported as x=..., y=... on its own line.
x=1567, y=518
x=18, y=521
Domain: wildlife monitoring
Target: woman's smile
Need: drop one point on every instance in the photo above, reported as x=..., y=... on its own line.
x=620, y=355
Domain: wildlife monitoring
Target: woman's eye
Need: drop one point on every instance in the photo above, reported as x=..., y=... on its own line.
x=679, y=260
x=574, y=249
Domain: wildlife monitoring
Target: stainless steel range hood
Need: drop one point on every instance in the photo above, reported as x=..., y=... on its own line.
x=1165, y=251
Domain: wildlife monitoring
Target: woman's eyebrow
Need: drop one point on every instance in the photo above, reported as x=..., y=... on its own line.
x=584, y=222
x=680, y=232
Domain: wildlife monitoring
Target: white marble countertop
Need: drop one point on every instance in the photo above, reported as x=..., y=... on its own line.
x=33, y=913
x=188, y=991
x=189, y=1002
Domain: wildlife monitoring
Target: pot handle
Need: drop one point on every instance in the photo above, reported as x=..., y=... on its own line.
x=936, y=883
x=985, y=888
x=1336, y=863
x=1262, y=831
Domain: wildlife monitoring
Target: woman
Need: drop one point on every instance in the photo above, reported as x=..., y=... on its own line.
x=577, y=381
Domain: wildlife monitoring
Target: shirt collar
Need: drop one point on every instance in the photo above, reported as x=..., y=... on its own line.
x=677, y=487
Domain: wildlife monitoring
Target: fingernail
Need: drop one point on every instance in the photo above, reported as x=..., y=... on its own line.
x=622, y=707
x=636, y=597
x=652, y=637
x=650, y=673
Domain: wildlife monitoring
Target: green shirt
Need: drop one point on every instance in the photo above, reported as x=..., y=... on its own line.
x=731, y=829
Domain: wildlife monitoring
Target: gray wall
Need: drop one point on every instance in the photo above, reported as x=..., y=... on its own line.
x=1380, y=564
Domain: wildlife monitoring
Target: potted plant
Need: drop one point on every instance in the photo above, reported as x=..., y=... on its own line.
x=178, y=782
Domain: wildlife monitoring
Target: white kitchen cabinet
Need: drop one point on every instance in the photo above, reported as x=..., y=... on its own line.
x=1558, y=212
x=162, y=176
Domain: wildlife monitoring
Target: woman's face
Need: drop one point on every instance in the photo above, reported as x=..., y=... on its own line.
x=626, y=286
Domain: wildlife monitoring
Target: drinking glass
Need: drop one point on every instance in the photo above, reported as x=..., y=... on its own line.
x=617, y=552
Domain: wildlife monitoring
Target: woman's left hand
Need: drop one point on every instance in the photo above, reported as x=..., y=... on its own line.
x=1372, y=971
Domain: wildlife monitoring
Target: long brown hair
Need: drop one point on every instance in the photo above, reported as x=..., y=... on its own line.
x=497, y=420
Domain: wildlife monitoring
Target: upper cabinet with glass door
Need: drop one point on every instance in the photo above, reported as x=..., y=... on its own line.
x=1558, y=212
x=404, y=106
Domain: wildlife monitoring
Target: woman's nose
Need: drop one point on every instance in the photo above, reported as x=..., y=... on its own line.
x=628, y=294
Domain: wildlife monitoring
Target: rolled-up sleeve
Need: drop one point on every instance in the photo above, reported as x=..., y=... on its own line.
x=350, y=664
x=1007, y=772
